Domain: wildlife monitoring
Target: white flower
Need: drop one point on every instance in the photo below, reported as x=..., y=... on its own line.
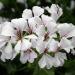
x=29, y=56
x=59, y=59
x=23, y=42
x=66, y=31
x=46, y=61
x=46, y=46
x=55, y=11
x=36, y=32
x=37, y=11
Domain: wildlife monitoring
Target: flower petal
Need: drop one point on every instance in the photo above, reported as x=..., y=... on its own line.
x=66, y=44
x=20, y=24
x=37, y=10
x=42, y=62
x=7, y=30
x=24, y=57
x=55, y=11
x=27, y=13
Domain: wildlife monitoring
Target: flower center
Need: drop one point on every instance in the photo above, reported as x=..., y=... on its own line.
x=19, y=35
x=46, y=36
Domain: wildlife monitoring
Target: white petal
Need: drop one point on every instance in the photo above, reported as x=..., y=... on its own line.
x=33, y=41
x=40, y=46
x=64, y=29
x=7, y=30
x=49, y=61
x=52, y=27
x=42, y=62
x=71, y=34
x=40, y=31
x=55, y=11
x=73, y=51
x=25, y=45
x=66, y=44
x=32, y=56
x=2, y=44
x=61, y=55
x=27, y=13
x=73, y=42
x=14, y=54
x=38, y=20
x=53, y=45
x=20, y=24
x=6, y=55
x=24, y=57
x=32, y=23
x=59, y=59
x=22, y=45
x=37, y=10
x=8, y=48
x=47, y=19
x=3, y=40
x=18, y=46
x=2, y=57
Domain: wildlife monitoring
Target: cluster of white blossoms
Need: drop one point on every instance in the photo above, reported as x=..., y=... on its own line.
x=38, y=36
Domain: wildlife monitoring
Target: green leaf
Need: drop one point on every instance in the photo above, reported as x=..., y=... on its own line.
x=39, y=71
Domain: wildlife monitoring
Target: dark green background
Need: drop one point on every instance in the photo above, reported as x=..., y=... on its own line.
x=15, y=67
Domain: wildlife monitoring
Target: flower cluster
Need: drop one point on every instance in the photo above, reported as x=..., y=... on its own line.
x=38, y=36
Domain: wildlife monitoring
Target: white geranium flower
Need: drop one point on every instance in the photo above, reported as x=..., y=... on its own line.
x=36, y=32
x=23, y=42
x=66, y=31
x=28, y=55
x=46, y=46
x=7, y=32
x=36, y=10
x=55, y=11
x=59, y=59
x=46, y=61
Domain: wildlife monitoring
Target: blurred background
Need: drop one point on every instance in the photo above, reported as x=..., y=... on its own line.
x=10, y=9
